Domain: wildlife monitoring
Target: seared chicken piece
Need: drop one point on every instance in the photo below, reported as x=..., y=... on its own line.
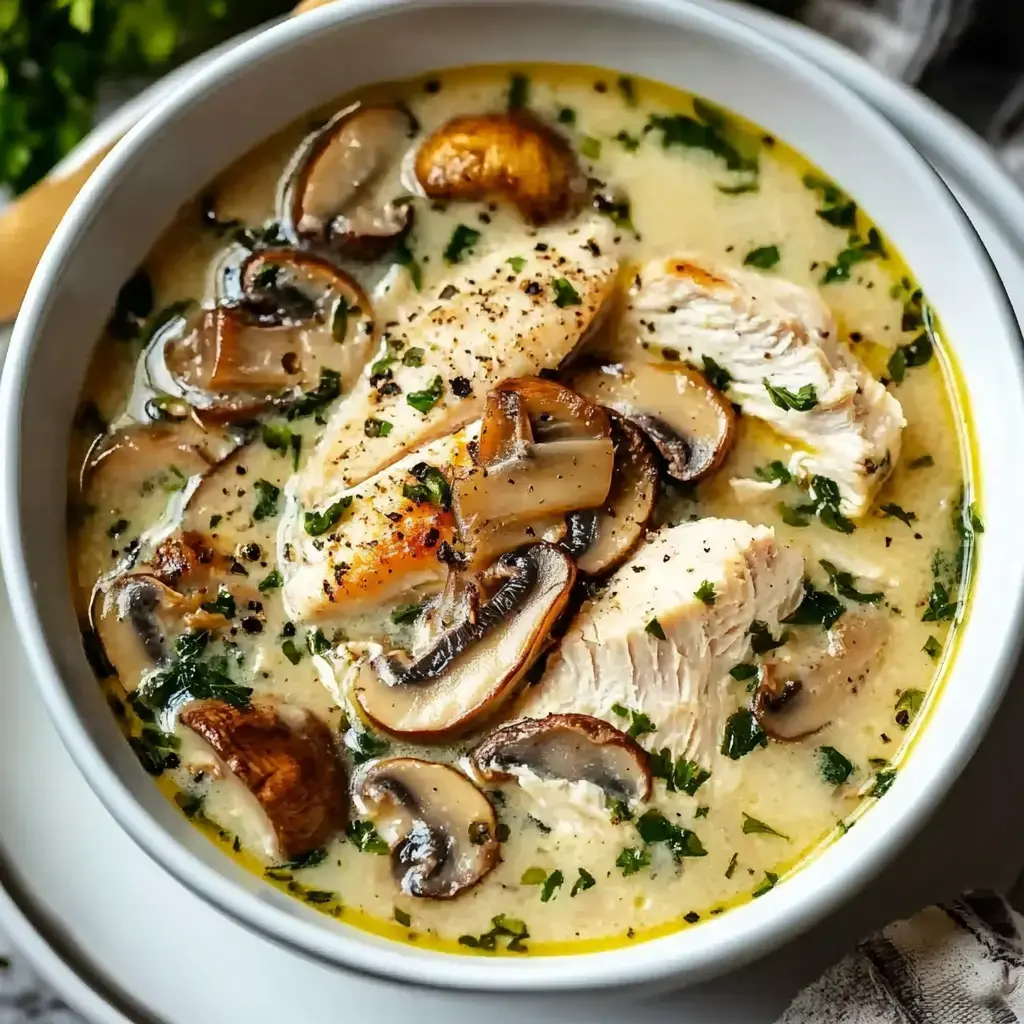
x=383, y=545
x=649, y=644
x=512, y=313
x=769, y=334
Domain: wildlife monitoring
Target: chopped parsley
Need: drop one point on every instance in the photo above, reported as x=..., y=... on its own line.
x=291, y=651
x=907, y=707
x=833, y=767
x=837, y=208
x=364, y=746
x=715, y=375
x=590, y=147
x=654, y=827
x=631, y=860
x=706, y=593
x=708, y=133
x=565, y=294
x=743, y=671
x=373, y=427
x=825, y=501
x=764, y=258
x=366, y=837
x=856, y=251
x=318, y=523
x=431, y=487
x=567, y=116
x=802, y=400
x=770, y=878
x=775, y=470
x=742, y=735
x=752, y=826
x=893, y=511
x=551, y=883
x=424, y=401
x=406, y=614
x=844, y=585
x=516, y=263
x=884, y=778
x=463, y=238
x=682, y=775
x=192, y=676
x=502, y=926
x=156, y=750
x=639, y=724
x=585, y=881
x=402, y=917
x=327, y=390
x=533, y=876
x=412, y=357
x=817, y=608
x=654, y=628
x=222, y=604
x=317, y=642
x=916, y=353
x=761, y=639
x=795, y=516
x=940, y=605
x=932, y=647
x=733, y=861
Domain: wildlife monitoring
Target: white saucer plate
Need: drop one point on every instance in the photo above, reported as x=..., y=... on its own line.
x=123, y=942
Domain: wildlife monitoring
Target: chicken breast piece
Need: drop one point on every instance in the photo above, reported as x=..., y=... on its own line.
x=612, y=654
x=767, y=333
x=383, y=546
x=511, y=313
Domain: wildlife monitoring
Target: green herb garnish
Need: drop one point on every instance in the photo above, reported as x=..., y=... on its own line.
x=833, y=767
x=366, y=837
x=318, y=523
x=752, y=826
x=565, y=294
x=706, y=593
x=816, y=609
x=585, y=881
x=373, y=427
x=631, y=860
x=715, y=375
x=654, y=827
x=742, y=735
x=764, y=258
x=424, y=401
x=462, y=238
x=844, y=585
x=654, y=628
x=894, y=511
x=802, y=400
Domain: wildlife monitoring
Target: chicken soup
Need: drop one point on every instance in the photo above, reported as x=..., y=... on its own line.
x=522, y=511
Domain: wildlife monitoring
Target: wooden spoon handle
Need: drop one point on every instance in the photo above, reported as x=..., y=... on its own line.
x=27, y=224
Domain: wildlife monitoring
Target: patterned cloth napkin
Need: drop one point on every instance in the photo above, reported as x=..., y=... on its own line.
x=957, y=963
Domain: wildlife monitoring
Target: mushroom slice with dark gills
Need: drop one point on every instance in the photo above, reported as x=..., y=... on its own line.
x=346, y=191
x=543, y=452
x=296, y=317
x=621, y=523
x=577, y=748
x=690, y=423
x=809, y=683
x=512, y=157
x=470, y=670
x=441, y=829
x=287, y=758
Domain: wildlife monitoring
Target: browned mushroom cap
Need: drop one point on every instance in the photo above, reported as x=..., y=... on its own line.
x=287, y=758
x=440, y=827
x=512, y=156
x=473, y=668
x=296, y=316
x=136, y=620
x=577, y=748
x=543, y=451
x=347, y=192
x=801, y=692
x=620, y=524
x=690, y=423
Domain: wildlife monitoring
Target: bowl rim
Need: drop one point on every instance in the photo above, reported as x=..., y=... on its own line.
x=767, y=921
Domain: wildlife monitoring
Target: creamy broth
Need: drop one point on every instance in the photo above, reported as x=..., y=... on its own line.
x=725, y=838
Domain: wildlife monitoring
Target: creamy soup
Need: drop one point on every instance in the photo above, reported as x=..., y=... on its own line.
x=522, y=511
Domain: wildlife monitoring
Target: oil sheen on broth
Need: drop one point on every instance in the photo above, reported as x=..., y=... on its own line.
x=308, y=576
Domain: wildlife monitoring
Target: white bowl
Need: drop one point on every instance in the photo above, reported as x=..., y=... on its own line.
x=249, y=93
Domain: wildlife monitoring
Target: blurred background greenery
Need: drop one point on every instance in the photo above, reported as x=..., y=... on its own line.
x=54, y=54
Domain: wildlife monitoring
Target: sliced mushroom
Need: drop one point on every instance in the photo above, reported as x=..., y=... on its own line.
x=287, y=758
x=620, y=525
x=136, y=619
x=577, y=748
x=802, y=691
x=441, y=829
x=690, y=423
x=346, y=192
x=511, y=156
x=295, y=316
x=130, y=459
x=543, y=452
x=471, y=669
